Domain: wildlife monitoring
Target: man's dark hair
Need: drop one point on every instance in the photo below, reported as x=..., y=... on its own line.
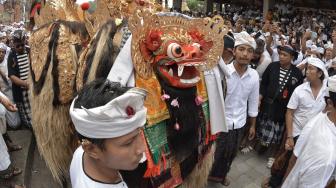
x=322, y=76
x=95, y=94
x=332, y=97
x=19, y=36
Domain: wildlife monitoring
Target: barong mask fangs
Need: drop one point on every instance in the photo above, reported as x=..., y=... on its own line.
x=175, y=47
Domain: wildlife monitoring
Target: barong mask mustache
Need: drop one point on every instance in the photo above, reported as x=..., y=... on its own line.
x=118, y=117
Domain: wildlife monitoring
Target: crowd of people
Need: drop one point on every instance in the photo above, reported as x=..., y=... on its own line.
x=294, y=55
x=279, y=78
x=14, y=69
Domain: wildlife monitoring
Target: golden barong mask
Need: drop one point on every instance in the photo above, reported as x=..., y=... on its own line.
x=174, y=46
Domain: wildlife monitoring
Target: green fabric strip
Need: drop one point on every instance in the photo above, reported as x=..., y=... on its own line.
x=156, y=136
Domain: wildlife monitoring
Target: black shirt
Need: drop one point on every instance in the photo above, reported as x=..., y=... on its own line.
x=18, y=65
x=270, y=90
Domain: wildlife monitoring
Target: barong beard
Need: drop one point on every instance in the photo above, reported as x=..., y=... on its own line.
x=118, y=117
x=183, y=127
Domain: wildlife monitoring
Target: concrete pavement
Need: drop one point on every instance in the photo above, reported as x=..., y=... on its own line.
x=247, y=171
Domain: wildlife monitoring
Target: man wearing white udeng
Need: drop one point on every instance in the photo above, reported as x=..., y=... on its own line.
x=316, y=148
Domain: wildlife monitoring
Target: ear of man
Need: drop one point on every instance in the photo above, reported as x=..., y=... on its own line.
x=92, y=150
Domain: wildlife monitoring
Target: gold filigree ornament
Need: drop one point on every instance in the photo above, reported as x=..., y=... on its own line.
x=106, y=10
x=39, y=41
x=52, y=10
x=176, y=27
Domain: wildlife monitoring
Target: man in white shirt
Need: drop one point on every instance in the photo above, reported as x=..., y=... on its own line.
x=242, y=88
x=7, y=170
x=305, y=103
x=12, y=118
x=316, y=148
x=307, y=100
x=108, y=119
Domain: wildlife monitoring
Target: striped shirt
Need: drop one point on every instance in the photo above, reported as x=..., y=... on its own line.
x=282, y=78
x=23, y=62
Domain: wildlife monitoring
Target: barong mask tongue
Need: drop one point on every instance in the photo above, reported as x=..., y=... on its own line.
x=118, y=117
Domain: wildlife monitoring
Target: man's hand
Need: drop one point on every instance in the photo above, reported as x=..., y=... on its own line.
x=274, y=29
x=289, y=144
x=307, y=35
x=9, y=105
x=252, y=132
x=26, y=85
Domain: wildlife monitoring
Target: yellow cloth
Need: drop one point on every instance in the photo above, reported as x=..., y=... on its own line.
x=156, y=108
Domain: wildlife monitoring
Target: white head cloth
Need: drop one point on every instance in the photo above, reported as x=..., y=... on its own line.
x=329, y=45
x=320, y=50
x=332, y=84
x=111, y=120
x=309, y=43
x=314, y=48
x=3, y=34
x=316, y=62
x=3, y=46
x=244, y=38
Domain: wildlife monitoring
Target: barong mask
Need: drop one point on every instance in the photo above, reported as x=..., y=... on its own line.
x=174, y=46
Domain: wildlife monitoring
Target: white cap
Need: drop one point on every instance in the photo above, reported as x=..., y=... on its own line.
x=243, y=38
x=3, y=46
x=314, y=48
x=320, y=50
x=316, y=62
x=309, y=43
x=118, y=117
x=329, y=45
x=3, y=34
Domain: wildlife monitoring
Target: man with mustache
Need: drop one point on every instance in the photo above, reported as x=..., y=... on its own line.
x=18, y=72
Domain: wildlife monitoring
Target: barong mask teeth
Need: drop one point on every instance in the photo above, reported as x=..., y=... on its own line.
x=174, y=46
x=118, y=117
